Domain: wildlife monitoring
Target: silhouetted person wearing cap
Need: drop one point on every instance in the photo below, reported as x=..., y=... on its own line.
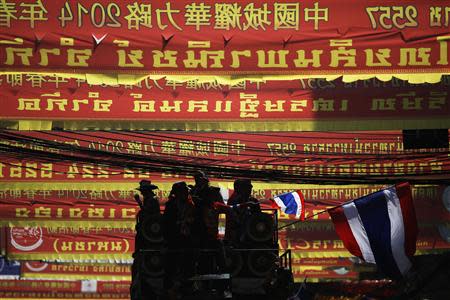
x=243, y=205
x=178, y=223
x=149, y=207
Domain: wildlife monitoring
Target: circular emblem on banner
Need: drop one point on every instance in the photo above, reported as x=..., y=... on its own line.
x=26, y=238
x=446, y=198
x=36, y=266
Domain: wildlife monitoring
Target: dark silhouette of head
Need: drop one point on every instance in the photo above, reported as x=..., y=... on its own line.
x=180, y=190
x=146, y=187
x=243, y=187
x=200, y=178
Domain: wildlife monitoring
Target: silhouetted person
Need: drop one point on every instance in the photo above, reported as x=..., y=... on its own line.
x=178, y=221
x=149, y=207
x=207, y=218
x=243, y=205
x=207, y=223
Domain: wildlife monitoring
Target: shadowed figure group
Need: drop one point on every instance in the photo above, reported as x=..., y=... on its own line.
x=190, y=226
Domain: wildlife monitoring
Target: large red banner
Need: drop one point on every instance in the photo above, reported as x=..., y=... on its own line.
x=334, y=273
x=242, y=37
x=62, y=295
x=193, y=101
x=62, y=286
x=39, y=243
x=77, y=271
x=79, y=216
x=306, y=240
x=318, y=240
x=298, y=154
x=74, y=271
x=64, y=208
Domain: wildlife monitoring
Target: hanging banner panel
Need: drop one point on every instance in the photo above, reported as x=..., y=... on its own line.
x=341, y=273
x=194, y=101
x=245, y=16
x=37, y=269
x=320, y=240
x=367, y=155
x=324, y=268
x=61, y=295
x=306, y=240
x=38, y=243
x=69, y=216
x=242, y=37
x=58, y=286
x=24, y=206
x=43, y=83
x=323, y=262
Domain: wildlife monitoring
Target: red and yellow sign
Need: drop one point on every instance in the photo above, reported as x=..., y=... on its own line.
x=74, y=271
x=80, y=216
x=68, y=209
x=243, y=37
x=58, y=289
x=344, y=262
x=279, y=101
x=61, y=295
x=36, y=243
x=337, y=273
x=307, y=240
x=319, y=240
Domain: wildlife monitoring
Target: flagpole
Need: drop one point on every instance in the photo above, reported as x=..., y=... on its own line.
x=309, y=217
x=328, y=209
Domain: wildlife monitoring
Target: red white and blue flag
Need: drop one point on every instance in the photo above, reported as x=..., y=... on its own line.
x=292, y=203
x=380, y=228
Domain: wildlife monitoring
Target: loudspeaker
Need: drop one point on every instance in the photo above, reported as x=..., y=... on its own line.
x=425, y=138
x=234, y=262
x=152, y=229
x=259, y=228
x=250, y=263
x=153, y=264
x=261, y=262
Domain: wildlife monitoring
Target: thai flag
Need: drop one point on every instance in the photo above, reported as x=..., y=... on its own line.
x=292, y=203
x=380, y=228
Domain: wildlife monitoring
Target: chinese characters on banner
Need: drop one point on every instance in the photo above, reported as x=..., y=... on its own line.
x=293, y=153
x=243, y=37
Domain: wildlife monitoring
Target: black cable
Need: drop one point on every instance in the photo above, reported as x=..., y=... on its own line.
x=190, y=164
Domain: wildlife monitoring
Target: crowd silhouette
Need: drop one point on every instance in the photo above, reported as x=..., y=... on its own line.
x=189, y=225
